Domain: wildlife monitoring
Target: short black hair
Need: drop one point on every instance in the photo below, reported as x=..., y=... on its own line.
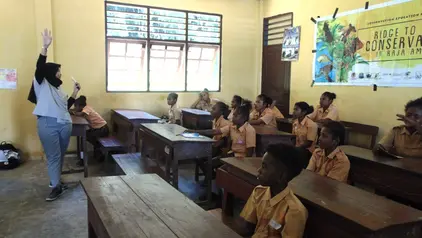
x=330, y=95
x=174, y=95
x=305, y=107
x=289, y=156
x=267, y=100
x=245, y=109
x=336, y=129
x=238, y=99
x=81, y=101
x=414, y=103
x=223, y=108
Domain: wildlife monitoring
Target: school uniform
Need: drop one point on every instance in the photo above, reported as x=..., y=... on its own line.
x=242, y=138
x=230, y=117
x=218, y=124
x=174, y=114
x=221, y=140
x=98, y=127
x=280, y=216
x=277, y=113
x=267, y=116
x=402, y=142
x=319, y=114
x=335, y=165
x=306, y=130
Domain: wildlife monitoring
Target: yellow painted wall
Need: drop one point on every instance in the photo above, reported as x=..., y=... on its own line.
x=79, y=45
x=356, y=104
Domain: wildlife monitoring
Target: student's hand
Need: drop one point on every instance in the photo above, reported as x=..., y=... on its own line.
x=409, y=121
x=76, y=87
x=47, y=38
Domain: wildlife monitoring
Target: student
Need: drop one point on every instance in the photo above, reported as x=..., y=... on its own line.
x=242, y=135
x=273, y=210
x=276, y=112
x=305, y=130
x=405, y=140
x=203, y=102
x=236, y=102
x=325, y=110
x=97, y=125
x=329, y=160
x=219, y=113
x=263, y=115
x=174, y=111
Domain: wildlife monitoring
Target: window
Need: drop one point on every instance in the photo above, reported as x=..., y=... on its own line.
x=155, y=49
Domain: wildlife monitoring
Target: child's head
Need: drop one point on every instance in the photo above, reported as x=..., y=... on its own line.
x=205, y=95
x=332, y=135
x=219, y=109
x=280, y=164
x=302, y=109
x=80, y=103
x=172, y=99
x=241, y=115
x=413, y=110
x=262, y=102
x=236, y=101
x=326, y=99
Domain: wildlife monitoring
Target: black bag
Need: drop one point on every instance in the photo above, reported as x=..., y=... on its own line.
x=11, y=157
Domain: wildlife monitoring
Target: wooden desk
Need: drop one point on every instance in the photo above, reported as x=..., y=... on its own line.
x=285, y=124
x=79, y=127
x=167, y=138
x=145, y=206
x=195, y=119
x=126, y=123
x=268, y=135
x=399, y=177
x=335, y=209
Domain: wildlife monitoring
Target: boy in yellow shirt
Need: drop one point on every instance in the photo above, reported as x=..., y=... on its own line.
x=272, y=209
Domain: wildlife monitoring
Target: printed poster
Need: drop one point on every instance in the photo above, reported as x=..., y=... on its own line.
x=8, y=79
x=381, y=45
x=291, y=44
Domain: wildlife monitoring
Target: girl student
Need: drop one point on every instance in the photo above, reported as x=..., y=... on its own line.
x=326, y=110
x=235, y=103
x=262, y=113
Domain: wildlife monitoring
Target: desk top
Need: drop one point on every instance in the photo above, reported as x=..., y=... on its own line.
x=79, y=120
x=369, y=210
x=413, y=165
x=152, y=208
x=171, y=132
x=266, y=130
x=135, y=114
x=196, y=112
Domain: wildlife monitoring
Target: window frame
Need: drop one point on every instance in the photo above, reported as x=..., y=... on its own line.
x=149, y=42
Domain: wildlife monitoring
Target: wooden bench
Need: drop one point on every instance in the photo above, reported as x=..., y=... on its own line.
x=267, y=135
x=335, y=209
x=111, y=145
x=360, y=129
x=134, y=163
x=145, y=206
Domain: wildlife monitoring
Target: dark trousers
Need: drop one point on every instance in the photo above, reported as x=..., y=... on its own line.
x=92, y=136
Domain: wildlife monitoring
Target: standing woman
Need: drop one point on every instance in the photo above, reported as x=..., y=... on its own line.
x=325, y=111
x=51, y=108
x=236, y=102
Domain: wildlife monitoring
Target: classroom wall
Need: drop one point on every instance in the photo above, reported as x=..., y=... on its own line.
x=356, y=104
x=79, y=46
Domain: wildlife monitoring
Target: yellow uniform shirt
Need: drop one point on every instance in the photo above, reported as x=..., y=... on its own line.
x=277, y=112
x=242, y=138
x=281, y=216
x=330, y=113
x=304, y=131
x=218, y=124
x=94, y=119
x=402, y=142
x=267, y=116
x=230, y=117
x=174, y=114
x=336, y=165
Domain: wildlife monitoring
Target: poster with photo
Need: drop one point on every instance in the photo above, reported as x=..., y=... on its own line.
x=291, y=44
x=8, y=79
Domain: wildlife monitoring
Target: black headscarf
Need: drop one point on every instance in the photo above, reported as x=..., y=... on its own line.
x=46, y=71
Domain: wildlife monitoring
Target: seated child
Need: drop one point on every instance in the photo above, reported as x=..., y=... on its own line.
x=325, y=110
x=263, y=115
x=273, y=210
x=98, y=126
x=305, y=130
x=329, y=160
x=405, y=140
x=276, y=112
x=236, y=102
x=218, y=113
x=242, y=135
x=174, y=111
x=203, y=102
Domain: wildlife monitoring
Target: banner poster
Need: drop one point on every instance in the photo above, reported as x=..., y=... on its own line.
x=8, y=78
x=291, y=44
x=380, y=45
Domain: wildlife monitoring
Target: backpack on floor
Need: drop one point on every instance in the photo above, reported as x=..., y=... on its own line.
x=9, y=156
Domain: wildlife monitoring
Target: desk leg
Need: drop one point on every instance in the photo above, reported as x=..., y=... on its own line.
x=227, y=205
x=85, y=155
x=78, y=147
x=209, y=180
x=137, y=140
x=175, y=171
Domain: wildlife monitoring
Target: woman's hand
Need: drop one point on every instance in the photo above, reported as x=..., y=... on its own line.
x=47, y=38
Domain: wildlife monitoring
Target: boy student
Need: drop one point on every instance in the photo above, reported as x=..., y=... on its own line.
x=263, y=114
x=405, y=140
x=174, y=111
x=98, y=126
x=325, y=110
x=273, y=210
x=329, y=160
x=242, y=135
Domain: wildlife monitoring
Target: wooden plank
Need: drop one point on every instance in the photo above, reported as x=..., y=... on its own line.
x=196, y=112
x=121, y=211
x=171, y=133
x=135, y=114
x=179, y=213
x=79, y=120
